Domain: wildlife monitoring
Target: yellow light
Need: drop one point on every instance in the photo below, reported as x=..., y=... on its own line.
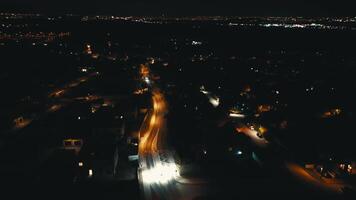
x=153, y=120
x=337, y=111
x=262, y=129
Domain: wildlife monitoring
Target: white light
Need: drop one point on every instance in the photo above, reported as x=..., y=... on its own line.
x=93, y=110
x=234, y=115
x=196, y=43
x=79, y=118
x=214, y=101
x=147, y=177
x=239, y=152
x=80, y=164
x=152, y=61
x=90, y=172
x=203, y=90
x=161, y=173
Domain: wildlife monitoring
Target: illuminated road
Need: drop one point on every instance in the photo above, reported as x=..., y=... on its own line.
x=157, y=169
x=300, y=173
x=296, y=170
x=252, y=134
x=158, y=172
x=62, y=91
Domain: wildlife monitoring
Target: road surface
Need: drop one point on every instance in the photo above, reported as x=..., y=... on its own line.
x=295, y=169
x=158, y=172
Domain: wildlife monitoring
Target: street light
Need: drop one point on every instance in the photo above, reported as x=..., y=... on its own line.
x=90, y=173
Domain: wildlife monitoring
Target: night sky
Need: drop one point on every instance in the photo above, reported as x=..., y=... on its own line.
x=188, y=7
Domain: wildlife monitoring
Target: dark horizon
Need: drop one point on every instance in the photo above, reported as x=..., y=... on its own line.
x=184, y=8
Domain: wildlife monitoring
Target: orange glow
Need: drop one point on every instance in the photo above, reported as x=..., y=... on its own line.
x=150, y=129
x=247, y=88
x=241, y=129
x=57, y=93
x=153, y=120
x=144, y=71
x=263, y=108
x=21, y=122
x=141, y=91
x=55, y=108
x=331, y=113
